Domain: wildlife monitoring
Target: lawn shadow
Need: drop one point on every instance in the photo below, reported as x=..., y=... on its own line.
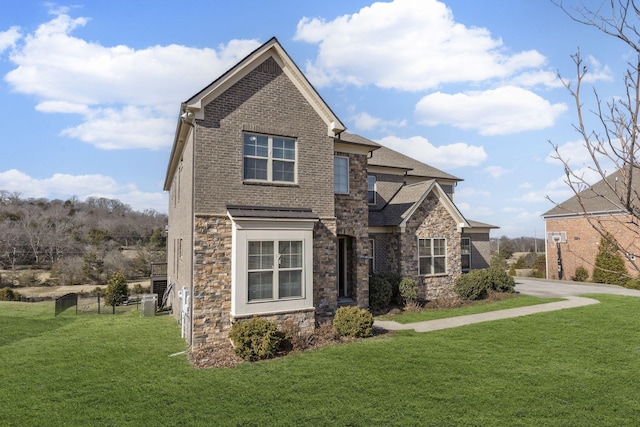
x=15, y=329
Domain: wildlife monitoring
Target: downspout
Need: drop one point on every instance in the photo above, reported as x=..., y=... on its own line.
x=187, y=118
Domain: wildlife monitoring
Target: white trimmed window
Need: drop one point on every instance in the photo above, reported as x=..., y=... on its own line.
x=465, y=250
x=272, y=266
x=432, y=256
x=371, y=190
x=269, y=158
x=341, y=175
x=274, y=270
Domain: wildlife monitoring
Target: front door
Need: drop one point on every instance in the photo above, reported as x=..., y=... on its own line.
x=343, y=290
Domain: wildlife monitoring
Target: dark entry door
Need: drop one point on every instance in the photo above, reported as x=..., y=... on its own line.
x=343, y=290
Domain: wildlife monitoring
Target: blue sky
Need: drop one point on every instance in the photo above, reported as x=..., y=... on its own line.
x=90, y=91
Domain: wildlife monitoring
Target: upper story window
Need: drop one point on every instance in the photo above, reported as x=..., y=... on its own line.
x=341, y=175
x=432, y=256
x=269, y=158
x=371, y=190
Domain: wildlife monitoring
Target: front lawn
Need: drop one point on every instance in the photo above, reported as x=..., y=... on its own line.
x=571, y=367
x=471, y=307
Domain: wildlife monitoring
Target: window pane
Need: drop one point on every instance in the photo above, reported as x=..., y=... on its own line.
x=371, y=189
x=290, y=254
x=255, y=168
x=439, y=246
x=439, y=265
x=284, y=148
x=283, y=171
x=424, y=247
x=256, y=145
x=341, y=174
x=260, y=256
x=465, y=247
x=260, y=285
x=466, y=262
x=290, y=284
x=425, y=266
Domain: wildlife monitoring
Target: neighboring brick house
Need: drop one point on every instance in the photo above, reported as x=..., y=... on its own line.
x=269, y=209
x=573, y=227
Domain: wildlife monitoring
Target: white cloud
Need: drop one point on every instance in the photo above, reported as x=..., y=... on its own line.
x=104, y=84
x=82, y=186
x=366, y=122
x=501, y=111
x=496, y=171
x=445, y=156
x=9, y=38
x=408, y=45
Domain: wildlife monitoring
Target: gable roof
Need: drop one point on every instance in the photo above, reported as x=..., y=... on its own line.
x=193, y=108
x=387, y=157
x=271, y=49
x=407, y=200
x=599, y=199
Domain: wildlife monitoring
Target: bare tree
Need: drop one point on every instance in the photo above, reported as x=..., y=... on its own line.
x=612, y=140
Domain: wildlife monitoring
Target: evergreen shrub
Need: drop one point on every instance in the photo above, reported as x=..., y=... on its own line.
x=353, y=322
x=256, y=339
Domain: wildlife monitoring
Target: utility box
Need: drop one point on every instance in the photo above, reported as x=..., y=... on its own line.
x=149, y=305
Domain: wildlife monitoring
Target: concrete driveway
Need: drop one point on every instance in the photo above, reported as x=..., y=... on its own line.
x=570, y=291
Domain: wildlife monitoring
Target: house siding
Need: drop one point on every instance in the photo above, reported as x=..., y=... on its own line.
x=352, y=219
x=583, y=241
x=180, y=231
x=480, y=249
x=264, y=101
x=431, y=220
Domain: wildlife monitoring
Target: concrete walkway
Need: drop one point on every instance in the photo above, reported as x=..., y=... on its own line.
x=536, y=287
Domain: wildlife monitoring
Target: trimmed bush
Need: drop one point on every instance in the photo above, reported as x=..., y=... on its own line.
x=609, y=266
x=408, y=290
x=581, y=275
x=380, y=292
x=477, y=283
x=471, y=286
x=256, y=339
x=353, y=322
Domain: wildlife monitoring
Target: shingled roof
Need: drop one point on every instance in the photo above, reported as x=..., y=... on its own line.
x=600, y=198
x=387, y=157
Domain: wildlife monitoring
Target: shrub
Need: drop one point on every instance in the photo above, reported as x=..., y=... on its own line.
x=498, y=280
x=7, y=294
x=353, y=322
x=471, y=286
x=581, y=275
x=408, y=290
x=394, y=280
x=117, y=289
x=512, y=270
x=380, y=292
x=609, y=266
x=633, y=284
x=477, y=283
x=256, y=339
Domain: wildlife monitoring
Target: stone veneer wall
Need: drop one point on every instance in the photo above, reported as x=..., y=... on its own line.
x=211, y=280
x=325, y=289
x=352, y=219
x=431, y=220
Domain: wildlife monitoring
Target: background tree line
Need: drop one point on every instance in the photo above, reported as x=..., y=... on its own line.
x=78, y=241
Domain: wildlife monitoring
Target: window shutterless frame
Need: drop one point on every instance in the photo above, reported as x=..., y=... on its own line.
x=269, y=158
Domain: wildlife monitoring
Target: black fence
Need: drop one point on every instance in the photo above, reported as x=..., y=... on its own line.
x=65, y=302
x=96, y=304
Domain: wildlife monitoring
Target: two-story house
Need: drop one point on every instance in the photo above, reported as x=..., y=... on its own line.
x=276, y=212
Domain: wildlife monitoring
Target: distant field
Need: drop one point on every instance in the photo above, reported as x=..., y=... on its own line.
x=576, y=367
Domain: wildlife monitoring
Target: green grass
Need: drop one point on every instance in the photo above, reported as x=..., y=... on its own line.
x=573, y=367
x=474, y=308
